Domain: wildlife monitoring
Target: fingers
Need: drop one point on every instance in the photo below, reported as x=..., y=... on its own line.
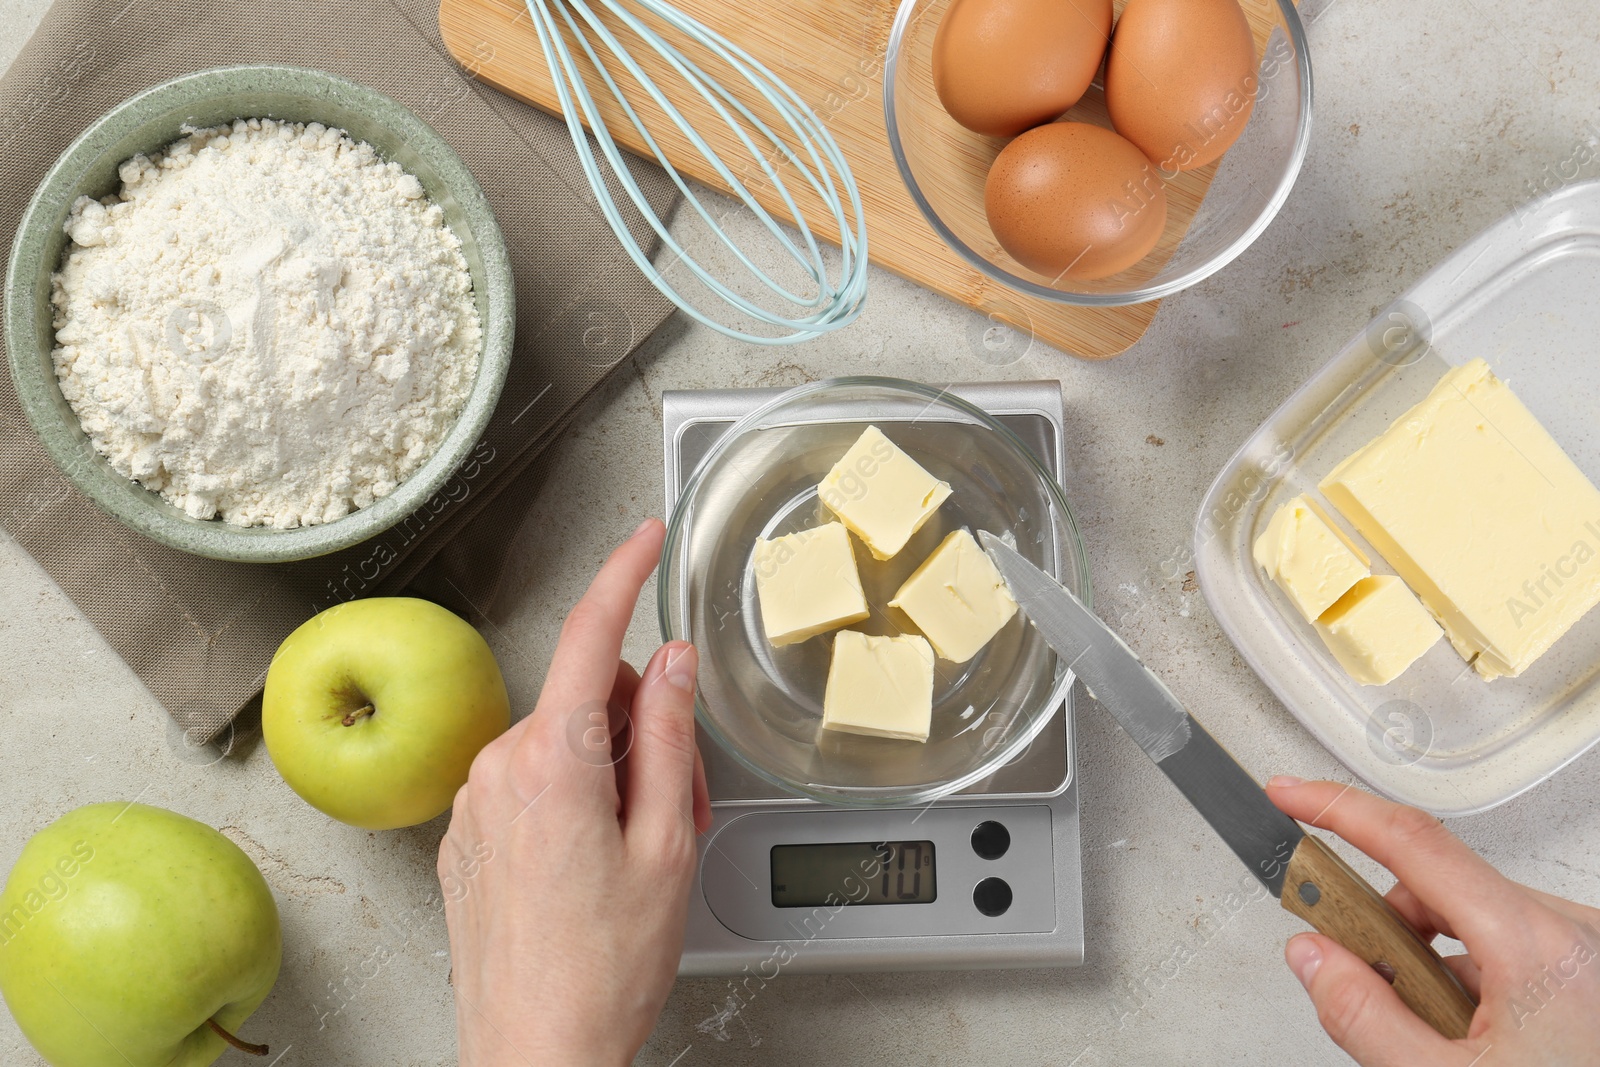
x=1428, y=924
x=450, y=843
x=702, y=795
x=1362, y=1012
x=619, y=725
x=583, y=677
x=624, y=686
x=584, y=666
x=460, y=815
x=1424, y=920
x=1447, y=877
x=659, y=775
x=1468, y=972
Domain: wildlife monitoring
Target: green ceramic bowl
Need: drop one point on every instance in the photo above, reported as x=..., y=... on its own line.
x=147, y=122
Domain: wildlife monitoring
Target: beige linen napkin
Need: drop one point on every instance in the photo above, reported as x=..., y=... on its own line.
x=199, y=632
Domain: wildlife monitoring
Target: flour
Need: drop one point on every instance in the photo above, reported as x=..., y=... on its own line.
x=268, y=324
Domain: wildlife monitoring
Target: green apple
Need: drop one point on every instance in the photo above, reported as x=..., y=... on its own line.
x=129, y=934
x=374, y=709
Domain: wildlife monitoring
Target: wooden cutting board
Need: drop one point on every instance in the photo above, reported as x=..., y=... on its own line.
x=832, y=53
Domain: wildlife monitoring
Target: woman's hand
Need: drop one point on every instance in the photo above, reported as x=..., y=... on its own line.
x=567, y=865
x=1532, y=960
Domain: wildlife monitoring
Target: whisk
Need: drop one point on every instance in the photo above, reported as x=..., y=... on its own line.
x=829, y=300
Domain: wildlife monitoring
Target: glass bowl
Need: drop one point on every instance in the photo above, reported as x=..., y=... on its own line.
x=764, y=704
x=944, y=164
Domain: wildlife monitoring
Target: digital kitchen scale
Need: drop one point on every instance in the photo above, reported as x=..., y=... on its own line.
x=990, y=877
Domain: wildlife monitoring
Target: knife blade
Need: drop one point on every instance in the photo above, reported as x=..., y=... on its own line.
x=1306, y=876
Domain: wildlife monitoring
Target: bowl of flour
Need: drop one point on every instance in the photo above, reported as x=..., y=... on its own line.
x=259, y=313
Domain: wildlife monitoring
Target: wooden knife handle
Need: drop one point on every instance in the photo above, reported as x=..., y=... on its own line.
x=1324, y=891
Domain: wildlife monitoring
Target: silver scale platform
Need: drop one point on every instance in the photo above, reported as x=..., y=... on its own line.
x=1021, y=908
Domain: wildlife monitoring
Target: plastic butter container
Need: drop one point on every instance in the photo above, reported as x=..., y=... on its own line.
x=1525, y=296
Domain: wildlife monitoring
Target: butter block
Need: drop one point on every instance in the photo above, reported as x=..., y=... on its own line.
x=883, y=495
x=1472, y=501
x=1378, y=629
x=957, y=598
x=1310, y=558
x=807, y=583
x=880, y=686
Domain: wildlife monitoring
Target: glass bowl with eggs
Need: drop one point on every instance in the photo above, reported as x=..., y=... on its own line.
x=857, y=647
x=1098, y=153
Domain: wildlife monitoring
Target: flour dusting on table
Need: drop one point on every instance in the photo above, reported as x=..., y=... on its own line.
x=268, y=324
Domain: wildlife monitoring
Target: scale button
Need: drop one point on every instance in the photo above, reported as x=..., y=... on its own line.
x=992, y=896
x=990, y=840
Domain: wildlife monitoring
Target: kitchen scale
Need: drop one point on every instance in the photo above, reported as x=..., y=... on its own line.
x=989, y=877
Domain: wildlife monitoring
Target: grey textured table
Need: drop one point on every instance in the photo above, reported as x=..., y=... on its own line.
x=1432, y=120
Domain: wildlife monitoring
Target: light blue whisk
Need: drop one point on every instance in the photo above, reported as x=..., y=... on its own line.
x=811, y=153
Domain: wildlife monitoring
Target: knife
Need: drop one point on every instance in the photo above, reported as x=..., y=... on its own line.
x=1308, y=878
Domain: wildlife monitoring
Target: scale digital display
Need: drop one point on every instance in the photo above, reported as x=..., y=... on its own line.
x=865, y=872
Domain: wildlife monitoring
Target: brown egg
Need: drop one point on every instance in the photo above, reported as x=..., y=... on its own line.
x=1002, y=66
x=1075, y=201
x=1181, y=79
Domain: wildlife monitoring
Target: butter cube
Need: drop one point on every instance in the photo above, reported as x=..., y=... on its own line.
x=807, y=583
x=1482, y=513
x=957, y=598
x=883, y=495
x=1310, y=558
x=1378, y=629
x=881, y=686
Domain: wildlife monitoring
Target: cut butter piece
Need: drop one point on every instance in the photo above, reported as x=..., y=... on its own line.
x=807, y=583
x=1310, y=558
x=880, y=686
x=957, y=598
x=1482, y=513
x=1378, y=629
x=883, y=495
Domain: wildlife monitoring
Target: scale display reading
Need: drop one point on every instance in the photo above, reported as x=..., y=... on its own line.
x=865, y=872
